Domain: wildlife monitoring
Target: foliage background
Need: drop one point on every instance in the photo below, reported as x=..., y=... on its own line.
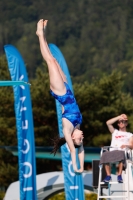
x=97, y=41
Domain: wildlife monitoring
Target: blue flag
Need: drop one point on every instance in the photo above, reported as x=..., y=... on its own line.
x=24, y=123
x=74, y=189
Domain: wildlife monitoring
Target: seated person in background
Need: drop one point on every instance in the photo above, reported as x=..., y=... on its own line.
x=121, y=139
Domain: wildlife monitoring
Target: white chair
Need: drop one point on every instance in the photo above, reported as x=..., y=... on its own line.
x=127, y=185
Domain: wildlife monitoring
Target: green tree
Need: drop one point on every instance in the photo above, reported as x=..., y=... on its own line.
x=8, y=164
x=94, y=36
x=44, y=110
x=99, y=102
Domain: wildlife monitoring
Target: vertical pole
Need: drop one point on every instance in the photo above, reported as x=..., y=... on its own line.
x=128, y=196
x=99, y=181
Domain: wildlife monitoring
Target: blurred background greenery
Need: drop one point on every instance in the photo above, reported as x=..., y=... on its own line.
x=96, y=39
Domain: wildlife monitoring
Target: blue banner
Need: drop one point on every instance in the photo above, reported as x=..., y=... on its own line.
x=74, y=189
x=24, y=123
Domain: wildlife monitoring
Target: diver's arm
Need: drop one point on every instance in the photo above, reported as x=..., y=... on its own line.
x=71, y=147
x=81, y=158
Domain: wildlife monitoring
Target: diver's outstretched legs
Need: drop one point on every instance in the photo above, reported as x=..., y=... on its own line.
x=56, y=79
x=60, y=70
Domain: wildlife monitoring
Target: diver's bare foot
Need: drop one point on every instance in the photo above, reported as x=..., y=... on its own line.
x=39, y=31
x=45, y=24
x=44, y=27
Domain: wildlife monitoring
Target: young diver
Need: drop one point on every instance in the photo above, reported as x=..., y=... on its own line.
x=59, y=89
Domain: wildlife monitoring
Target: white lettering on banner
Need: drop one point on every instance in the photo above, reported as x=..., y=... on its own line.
x=27, y=189
x=76, y=187
x=21, y=78
x=23, y=108
x=30, y=166
x=26, y=125
x=23, y=87
x=26, y=142
x=69, y=169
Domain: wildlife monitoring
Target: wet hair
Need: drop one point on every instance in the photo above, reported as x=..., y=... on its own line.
x=58, y=142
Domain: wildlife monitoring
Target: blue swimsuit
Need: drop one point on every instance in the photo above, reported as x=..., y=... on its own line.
x=71, y=109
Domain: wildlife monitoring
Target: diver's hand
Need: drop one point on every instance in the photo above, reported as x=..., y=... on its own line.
x=79, y=171
x=75, y=168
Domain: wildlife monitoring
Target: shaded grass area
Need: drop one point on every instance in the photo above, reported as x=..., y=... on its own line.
x=2, y=194
x=61, y=196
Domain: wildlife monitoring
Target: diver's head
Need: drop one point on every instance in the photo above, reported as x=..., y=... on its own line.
x=77, y=137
